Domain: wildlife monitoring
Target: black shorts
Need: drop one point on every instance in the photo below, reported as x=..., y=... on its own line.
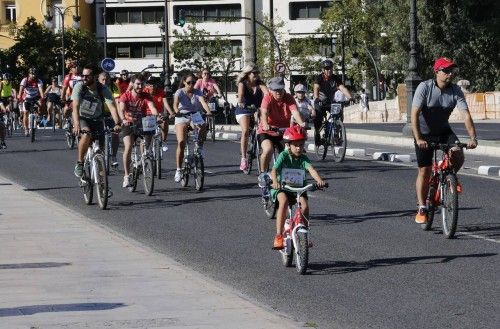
x=5, y=100
x=96, y=126
x=134, y=131
x=292, y=197
x=54, y=98
x=276, y=140
x=424, y=157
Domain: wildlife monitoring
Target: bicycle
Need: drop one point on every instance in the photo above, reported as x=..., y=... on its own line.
x=253, y=148
x=31, y=108
x=193, y=161
x=334, y=134
x=210, y=120
x=157, y=152
x=443, y=190
x=7, y=121
x=108, y=146
x=142, y=163
x=94, y=173
x=56, y=109
x=296, y=232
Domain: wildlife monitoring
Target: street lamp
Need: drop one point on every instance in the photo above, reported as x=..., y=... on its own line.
x=49, y=24
x=412, y=79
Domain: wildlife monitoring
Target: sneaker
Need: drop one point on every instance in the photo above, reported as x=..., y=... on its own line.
x=3, y=145
x=79, y=170
x=243, y=164
x=114, y=161
x=164, y=148
x=421, y=217
x=126, y=181
x=178, y=175
x=278, y=243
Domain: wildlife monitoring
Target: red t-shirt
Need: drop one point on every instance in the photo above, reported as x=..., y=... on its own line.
x=135, y=106
x=279, y=113
x=122, y=85
x=158, y=97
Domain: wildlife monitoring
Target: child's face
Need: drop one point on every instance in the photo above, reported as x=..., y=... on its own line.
x=296, y=147
x=300, y=95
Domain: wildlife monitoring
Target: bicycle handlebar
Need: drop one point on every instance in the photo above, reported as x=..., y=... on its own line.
x=309, y=187
x=445, y=146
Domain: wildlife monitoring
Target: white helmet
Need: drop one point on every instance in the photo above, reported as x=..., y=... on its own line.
x=300, y=88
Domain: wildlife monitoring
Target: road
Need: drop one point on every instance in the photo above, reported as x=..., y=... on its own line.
x=371, y=265
x=485, y=130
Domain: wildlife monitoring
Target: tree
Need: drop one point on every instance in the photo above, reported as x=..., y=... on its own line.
x=82, y=45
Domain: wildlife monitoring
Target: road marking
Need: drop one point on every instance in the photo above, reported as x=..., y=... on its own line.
x=478, y=236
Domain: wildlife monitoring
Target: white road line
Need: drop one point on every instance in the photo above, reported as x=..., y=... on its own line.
x=476, y=236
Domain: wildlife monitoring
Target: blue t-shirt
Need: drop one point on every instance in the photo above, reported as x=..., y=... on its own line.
x=187, y=104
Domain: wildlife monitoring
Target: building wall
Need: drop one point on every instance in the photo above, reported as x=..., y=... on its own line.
x=37, y=8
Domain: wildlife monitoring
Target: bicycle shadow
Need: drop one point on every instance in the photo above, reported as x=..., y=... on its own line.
x=489, y=230
x=334, y=219
x=344, y=267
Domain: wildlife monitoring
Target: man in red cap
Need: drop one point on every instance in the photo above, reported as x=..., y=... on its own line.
x=433, y=102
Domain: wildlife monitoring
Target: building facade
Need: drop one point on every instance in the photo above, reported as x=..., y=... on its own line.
x=135, y=41
x=14, y=13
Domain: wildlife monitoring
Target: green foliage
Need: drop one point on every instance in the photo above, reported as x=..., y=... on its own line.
x=195, y=49
x=82, y=46
x=267, y=52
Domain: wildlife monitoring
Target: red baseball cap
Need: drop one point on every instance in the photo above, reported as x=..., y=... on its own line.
x=442, y=63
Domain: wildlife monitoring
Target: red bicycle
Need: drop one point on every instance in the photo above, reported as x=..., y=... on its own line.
x=443, y=190
x=296, y=233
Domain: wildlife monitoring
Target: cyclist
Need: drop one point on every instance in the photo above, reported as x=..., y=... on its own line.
x=53, y=94
x=432, y=105
x=88, y=99
x=325, y=87
x=69, y=82
x=30, y=90
x=187, y=102
x=208, y=85
x=292, y=157
x=105, y=80
x=133, y=107
x=123, y=82
x=7, y=93
x=251, y=91
x=2, y=129
x=277, y=109
x=154, y=88
x=304, y=104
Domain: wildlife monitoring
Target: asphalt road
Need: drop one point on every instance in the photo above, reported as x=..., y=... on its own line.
x=371, y=265
x=485, y=130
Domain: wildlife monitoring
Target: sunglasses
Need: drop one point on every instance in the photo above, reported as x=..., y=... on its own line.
x=450, y=70
x=191, y=82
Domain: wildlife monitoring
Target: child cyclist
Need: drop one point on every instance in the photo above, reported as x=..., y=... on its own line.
x=293, y=158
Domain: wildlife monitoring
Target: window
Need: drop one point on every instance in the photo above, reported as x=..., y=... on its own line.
x=137, y=50
x=308, y=10
x=10, y=12
x=130, y=15
x=209, y=13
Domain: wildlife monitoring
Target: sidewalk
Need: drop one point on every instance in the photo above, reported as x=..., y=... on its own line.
x=487, y=148
x=61, y=270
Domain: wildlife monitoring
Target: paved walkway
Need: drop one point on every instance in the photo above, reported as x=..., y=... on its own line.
x=60, y=270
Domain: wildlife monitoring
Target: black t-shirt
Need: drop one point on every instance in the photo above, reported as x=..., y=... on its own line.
x=327, y=88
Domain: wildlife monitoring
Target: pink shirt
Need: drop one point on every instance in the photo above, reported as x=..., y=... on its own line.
x=206, y=86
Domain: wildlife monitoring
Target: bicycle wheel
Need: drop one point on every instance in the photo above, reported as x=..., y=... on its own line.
x=449, y=210
x=199, y=173
x=9, y=128
x=32, y=128
x=101, y=181
x=53, y=119
x=431, y=209
x=211, y=126
x=107, y=147
x=134, y=179
x=320, y=149
x=70, y=139
x=302, y=252
x=157, y=152
x=88, y=187
x=270, y=208
x=338, y=141
x=287, y=253
x=185, y=175
x=148, y=177
x=250, y=152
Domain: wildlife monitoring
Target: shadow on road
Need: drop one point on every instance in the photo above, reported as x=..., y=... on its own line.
x=51, y=188
x=34, y=309
x=490, y=230
x=32, y=265
x=342, y=267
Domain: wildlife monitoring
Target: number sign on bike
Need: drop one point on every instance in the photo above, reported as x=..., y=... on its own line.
x=293, y=177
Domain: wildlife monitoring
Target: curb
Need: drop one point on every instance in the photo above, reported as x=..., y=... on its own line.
x=489, y=171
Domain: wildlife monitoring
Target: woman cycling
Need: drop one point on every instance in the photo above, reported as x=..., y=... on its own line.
x=208, y=85
x=53, y=93
x=187, y=102
x=251, y=91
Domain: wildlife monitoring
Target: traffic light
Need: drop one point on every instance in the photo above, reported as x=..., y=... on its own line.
x=181, y=18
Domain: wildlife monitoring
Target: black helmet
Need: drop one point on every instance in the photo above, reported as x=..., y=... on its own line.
x=124, y=72
x=33, y=71
x=326, y=63
x=7, y=76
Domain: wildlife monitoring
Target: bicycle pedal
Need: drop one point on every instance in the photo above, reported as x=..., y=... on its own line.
x=83, y=182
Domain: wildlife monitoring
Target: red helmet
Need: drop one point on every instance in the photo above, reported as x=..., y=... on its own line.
x=295, y=133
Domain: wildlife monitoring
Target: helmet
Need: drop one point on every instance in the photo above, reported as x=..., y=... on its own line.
x=54, y=79
x=124, y=72
x=154, y=81
x=294, y=133
x=300, y=88
x=326, y=63
x=7, y=76
x=33, y=71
